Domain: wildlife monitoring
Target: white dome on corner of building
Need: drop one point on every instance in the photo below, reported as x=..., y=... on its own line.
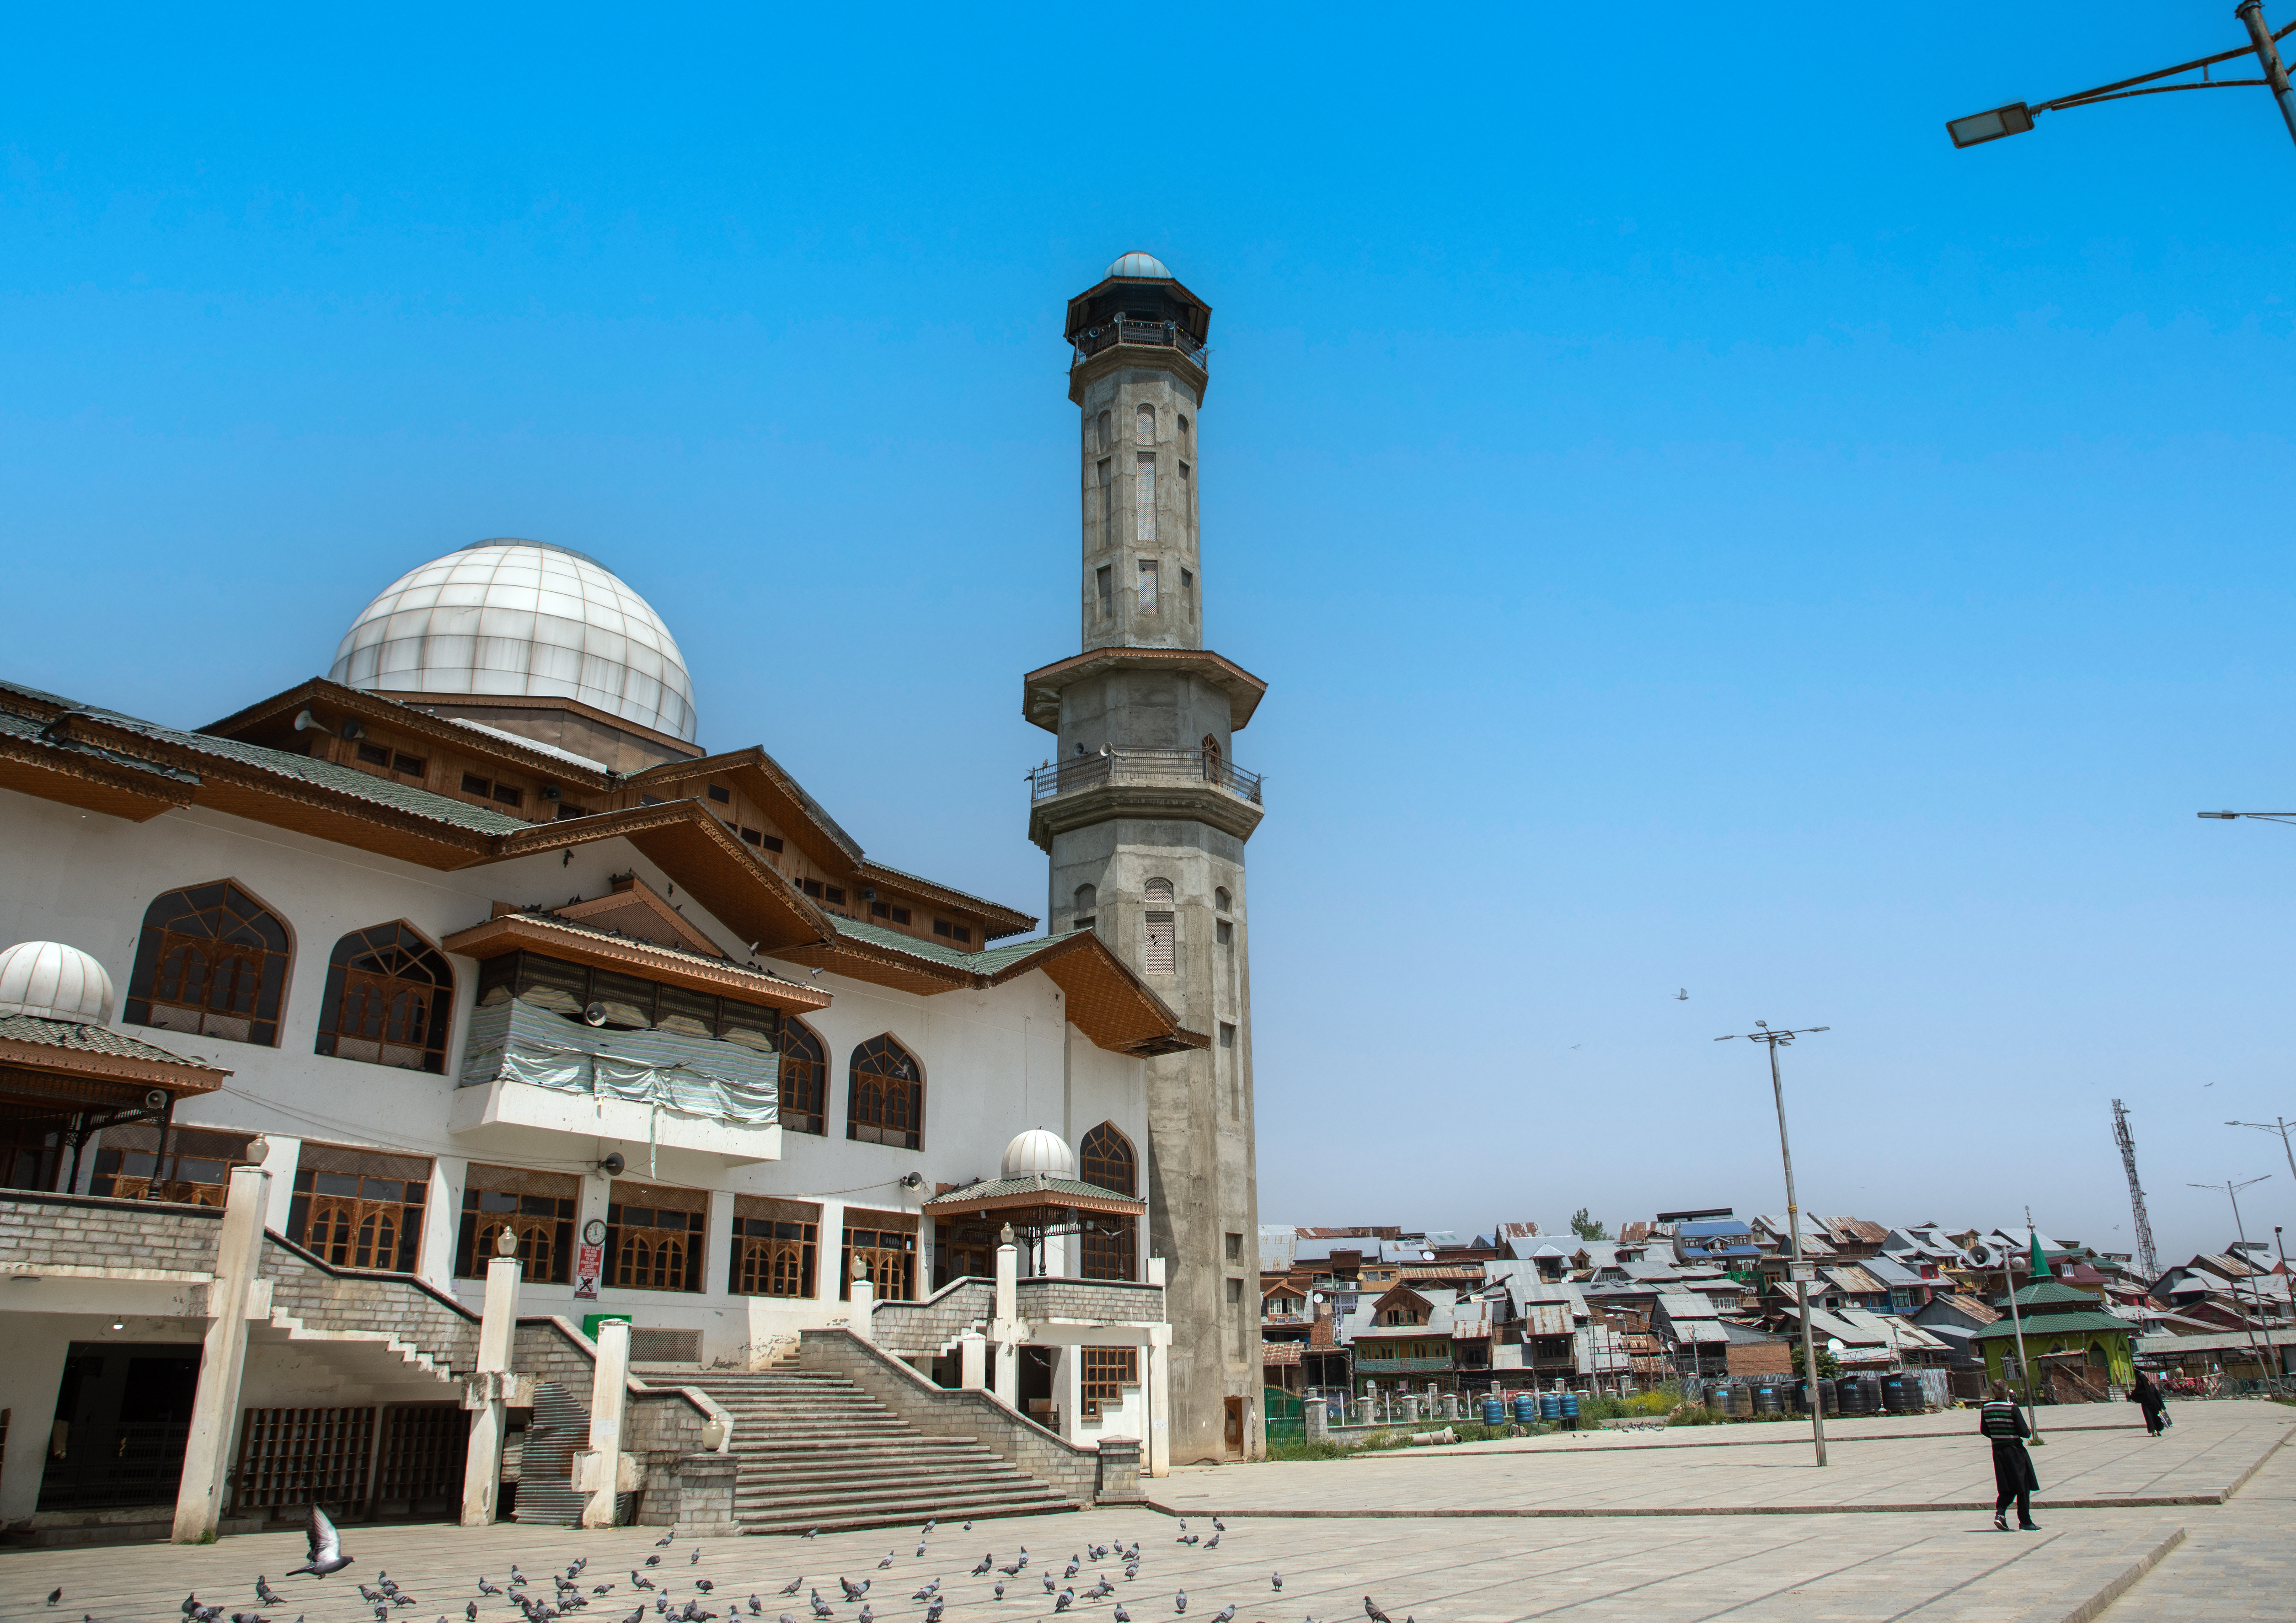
x=521, y=617
x=1039, y=1150
x=1137, y=263
x=53, y=982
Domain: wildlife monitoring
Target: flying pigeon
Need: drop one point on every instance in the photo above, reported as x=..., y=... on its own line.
x=1374, y=1613
x=794, y=1584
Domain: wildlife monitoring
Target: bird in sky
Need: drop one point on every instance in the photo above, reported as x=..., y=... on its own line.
x=1683, y=996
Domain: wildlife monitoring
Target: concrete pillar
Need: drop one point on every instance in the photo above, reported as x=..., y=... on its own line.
x=223, y=1359
x=610, y=1391
x=280, y=1158
x=30, y=1377
x=1004, y=1326
x=864, y=1306
x=497, y=1326
x=973, y=1360
x=1318, y=1423
x=1160, y=1401
x=1410, y=1415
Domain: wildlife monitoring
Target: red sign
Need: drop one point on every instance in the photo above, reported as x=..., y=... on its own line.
x=589, y=1262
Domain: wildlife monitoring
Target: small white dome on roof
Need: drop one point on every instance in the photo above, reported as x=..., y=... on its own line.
x=53, y=982
x=1137, y=263
x=1039, y=1151
x=521, y=617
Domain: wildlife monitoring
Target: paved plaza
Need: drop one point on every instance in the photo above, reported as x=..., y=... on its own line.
x=1607, y=1529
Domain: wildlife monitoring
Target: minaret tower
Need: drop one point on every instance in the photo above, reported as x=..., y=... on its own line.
x=1145, y=815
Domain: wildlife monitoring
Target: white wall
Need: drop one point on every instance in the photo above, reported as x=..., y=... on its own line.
x=996, y=1061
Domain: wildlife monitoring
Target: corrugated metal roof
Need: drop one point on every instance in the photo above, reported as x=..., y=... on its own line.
x=71, y=1037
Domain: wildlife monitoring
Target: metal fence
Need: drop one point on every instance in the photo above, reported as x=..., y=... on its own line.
x=1134, y=765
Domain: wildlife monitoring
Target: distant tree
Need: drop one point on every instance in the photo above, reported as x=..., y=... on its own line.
x=1829, y=1368
x=1587, y=1228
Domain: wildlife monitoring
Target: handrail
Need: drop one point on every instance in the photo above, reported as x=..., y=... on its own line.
x=1136, y=764
x=1160, y=334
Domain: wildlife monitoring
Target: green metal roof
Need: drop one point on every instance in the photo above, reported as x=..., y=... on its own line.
x=2057, y=1323
x=14, y=723
x=2046, y=1291
x=992, y=960
x=78, y=1038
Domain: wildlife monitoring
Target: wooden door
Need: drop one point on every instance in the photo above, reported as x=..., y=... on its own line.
x=1235, y=1425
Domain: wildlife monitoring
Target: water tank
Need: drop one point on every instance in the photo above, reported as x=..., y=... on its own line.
x=1526, y=1409
x=1550, y=1406
x=1767, y=1399
x=1901, y=1394
x=1571, y=1406
x=1494, y=1412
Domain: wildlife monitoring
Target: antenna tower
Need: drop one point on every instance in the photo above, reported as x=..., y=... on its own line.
x=2120, y=1135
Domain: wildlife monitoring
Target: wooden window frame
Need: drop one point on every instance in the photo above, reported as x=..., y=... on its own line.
x=776, y=1248
x=364, y=1225
x=189, y=937
x=804, y=1079
x=541, y=1212
x=887, y=1254
x=666, y=1252
x=885, y=1094
x=1106, y=1372
x=408, y=989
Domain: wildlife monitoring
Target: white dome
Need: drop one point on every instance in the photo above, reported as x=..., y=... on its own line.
x=1137, y=263
x=1039, y=1151
x=55, y=981
x=521, y=617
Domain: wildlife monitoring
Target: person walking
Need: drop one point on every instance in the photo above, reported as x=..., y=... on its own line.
x=2149, y=1399
x=2004, y=1425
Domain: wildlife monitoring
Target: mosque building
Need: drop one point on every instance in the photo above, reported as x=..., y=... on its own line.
x=470, y=948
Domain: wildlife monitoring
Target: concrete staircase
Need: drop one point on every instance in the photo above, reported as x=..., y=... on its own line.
x=816, y=1451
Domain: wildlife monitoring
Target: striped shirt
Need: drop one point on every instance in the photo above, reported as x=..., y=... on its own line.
x=2001, y=1422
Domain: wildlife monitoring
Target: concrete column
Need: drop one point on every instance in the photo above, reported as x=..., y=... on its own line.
x=973, y=1360
x=1159, y=1402
x=497, y=1326
x=223, y=1359
x=829, y=1274
x=280, y=1158
x=442, y=1218
x=1318, y=1425
x=1005, y=1325
x=610, y=1392
x=863, y=1305
x=31, y=1376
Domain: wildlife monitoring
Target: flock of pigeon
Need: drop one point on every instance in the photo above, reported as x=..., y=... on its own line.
x=652, y=1587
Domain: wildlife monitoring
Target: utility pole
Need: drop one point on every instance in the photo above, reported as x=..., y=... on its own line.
x=2278, y=1126
x=2120, y=1135
x=1763, y=1034
x=2256, y=1295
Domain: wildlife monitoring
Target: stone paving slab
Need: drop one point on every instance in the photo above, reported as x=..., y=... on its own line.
x=2238, y=1565
x=2203, y=1457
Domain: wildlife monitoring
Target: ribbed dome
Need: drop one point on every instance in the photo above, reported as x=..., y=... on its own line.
x=55, y=981
x=1039, y=1151
x=1137, y=263
x=523, y=617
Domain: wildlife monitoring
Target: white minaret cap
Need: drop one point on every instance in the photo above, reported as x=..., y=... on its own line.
x=53, y=982
x=1137, y=263
x=1039, y=1151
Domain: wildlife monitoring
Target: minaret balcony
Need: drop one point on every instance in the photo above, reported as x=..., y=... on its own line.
x=1134, y=767
x=1158, y=334
x=1132, y=781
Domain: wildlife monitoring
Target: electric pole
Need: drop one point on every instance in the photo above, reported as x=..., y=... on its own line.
x=1763, y=1034
x=2120, y=1135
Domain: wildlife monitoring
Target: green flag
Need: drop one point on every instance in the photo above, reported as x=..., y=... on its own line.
x=2040, y=1265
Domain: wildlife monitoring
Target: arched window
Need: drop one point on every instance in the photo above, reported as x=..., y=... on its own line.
x=1145, y=425
x=1181, y=422
x=1110, y=1247
x=805, y=1079
x=886, y=1095
x=1107, y=435
x=1221, y=900
x=1157, y=892
x=1087, y=908
x=211, y=961
x=391, y=997
x=1160, y=951
x=1211, y=753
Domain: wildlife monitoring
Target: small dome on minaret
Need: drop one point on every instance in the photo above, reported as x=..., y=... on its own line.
x=52, y=981
x=1137, y=264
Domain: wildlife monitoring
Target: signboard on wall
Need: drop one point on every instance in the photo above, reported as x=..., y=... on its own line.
x=589, y=1262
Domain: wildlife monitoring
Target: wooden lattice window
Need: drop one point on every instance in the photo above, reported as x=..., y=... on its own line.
x=389, y=997
x=419, y=1467
x=1109, y=1160
x=293, y=1457
x=653, y=1237
x=1111, y=1242
x=195, y=1169
x=775, y=1245
x=537, y=1207
x=805, y=1079
x=885, y=1244
x=887, y=1095
x=211, y=961
x=358, y=1208
x=1107, y=1372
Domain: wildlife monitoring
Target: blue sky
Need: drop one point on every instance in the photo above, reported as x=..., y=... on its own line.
x=1702, y=530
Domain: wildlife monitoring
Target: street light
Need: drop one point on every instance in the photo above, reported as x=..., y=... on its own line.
x=2232, y=1189
x=2017, y=117
x=1763, y=1034
x=2227, y=816
x=2273, y=1125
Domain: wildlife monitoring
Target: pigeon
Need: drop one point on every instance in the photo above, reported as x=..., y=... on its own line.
x=1073, y=1568
x=1123, y=1616
x=1225, y=1614
x=1218, y=1526
x=1013, y=1570
x=516, y=1577
x=1000, y=1588
x=788, y=1617
x=580, y=1561
x=987, y=1561
x=370, y=1594
x=756, y=1607
x=206, y=1614
x=933, y=1612
x=1180, y=1602
x=887, y=1562
x=968, y=1526
x=853, y=1591
x=638, y=1616
x=927, y=1592
x=1212, y=1543
x=653, y=1561
x=703, y=1584
x=1374, y=1613
x=1277, y=1580
x=471, y=1611
x=1191, y=1538
x=263, y=1592
x=236, y=1617
x=191, y=1603
x=867, y=1616
x=930, y=1523
x=1049, y=1585
x=662, y=1543
x=821, y=1608
x=810, y=1532
x=1065, y=1600
x=921, y=1550
x=695, y=1560
x=487, y=1589
x=385, y=1582
x=642, y=1581
x=601, y=1589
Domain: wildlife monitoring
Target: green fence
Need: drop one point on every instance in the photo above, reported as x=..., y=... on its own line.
x=1285, y=1414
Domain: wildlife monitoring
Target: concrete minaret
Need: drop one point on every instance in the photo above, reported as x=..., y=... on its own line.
x=1145, y=815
